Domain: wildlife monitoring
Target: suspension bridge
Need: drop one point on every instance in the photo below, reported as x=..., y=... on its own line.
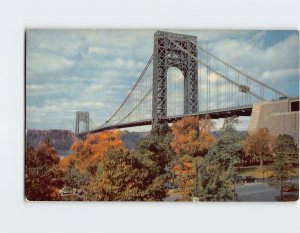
x=183, y=79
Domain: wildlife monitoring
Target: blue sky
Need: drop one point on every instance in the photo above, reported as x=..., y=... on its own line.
x=93, y=70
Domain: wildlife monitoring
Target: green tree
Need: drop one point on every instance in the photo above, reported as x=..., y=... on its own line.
x=74, y=183
x=156, y=147
x=221, y=164
x=286, y=157
x=122, y=176
x=43, y=178
x=74, y=179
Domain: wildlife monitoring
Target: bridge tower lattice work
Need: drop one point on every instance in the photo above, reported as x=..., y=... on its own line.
x=166, y=55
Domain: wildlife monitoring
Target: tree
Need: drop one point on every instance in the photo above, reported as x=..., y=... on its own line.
x=90, y=152
x=80, y=168
x=122, y=176
x=157, y=147
x=221, y=164
x=43, y=179
x=191, y=136
x=74, y=179
x=258, y=145
x=66, y=162
x=139, y=175
x=191, y=141
x=286, y=157
x=188, y=176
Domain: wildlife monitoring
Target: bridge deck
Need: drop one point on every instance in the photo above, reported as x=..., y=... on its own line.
x=245, y=110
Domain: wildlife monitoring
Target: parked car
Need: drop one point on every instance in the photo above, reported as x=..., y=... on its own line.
x=169, y=185
x=239, y=179
x=250, y=179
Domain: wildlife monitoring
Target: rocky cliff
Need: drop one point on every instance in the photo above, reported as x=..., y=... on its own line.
x=59, y=139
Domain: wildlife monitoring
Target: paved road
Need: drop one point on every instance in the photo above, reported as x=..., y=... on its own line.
x=257, y=192
x=246, y=192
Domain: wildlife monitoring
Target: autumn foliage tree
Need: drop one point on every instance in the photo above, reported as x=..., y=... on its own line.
x=191, y=136
x=43, y=178
x=191, y=140
x=66, y=162
x=138, y=175
x=88, y=153
x=80, y=168
x=123, y=176
x=258, y=146
x=185, y=176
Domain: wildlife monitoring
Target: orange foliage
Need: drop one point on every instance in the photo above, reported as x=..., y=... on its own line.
x=43, y=178
x=92, y=150
x=184, y=168
x=187, y=164
x=178, y=169
x=185, y=177
x=258, y=145
x=65, y=162
x=192, y=136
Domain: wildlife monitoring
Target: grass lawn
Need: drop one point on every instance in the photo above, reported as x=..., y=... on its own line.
x=258, y=172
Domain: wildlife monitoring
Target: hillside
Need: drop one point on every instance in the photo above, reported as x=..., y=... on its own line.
x=130, y=139
x=59, y=139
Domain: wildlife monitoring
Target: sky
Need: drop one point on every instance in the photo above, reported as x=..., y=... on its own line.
x=93, y=70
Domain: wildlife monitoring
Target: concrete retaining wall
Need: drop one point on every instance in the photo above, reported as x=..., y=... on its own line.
x=277, y=117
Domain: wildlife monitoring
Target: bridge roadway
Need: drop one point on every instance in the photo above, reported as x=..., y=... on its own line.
x=244, y=110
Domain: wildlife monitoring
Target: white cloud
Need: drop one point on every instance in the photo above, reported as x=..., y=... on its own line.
x=46, y=63
x=254, y=59
x=66, y=42
x=91, y=104
x=105, y=51
x=43, y=89
x=279, y=74
x=96, y=87
x=283, y=55
x=38, y=88
x=123, y=64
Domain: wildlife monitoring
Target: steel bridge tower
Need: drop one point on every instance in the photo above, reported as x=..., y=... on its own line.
x=82, y=117
x=166, y=54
